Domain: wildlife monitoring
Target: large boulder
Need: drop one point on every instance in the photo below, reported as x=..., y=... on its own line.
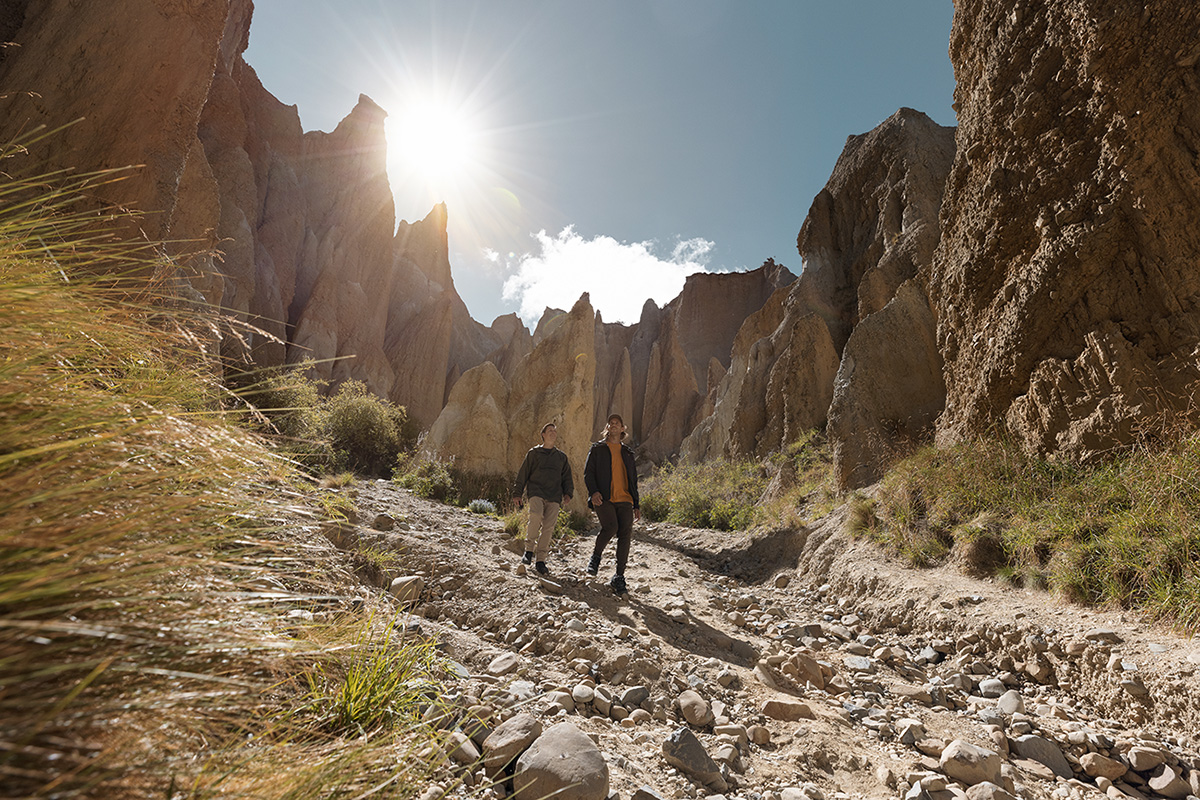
x=1065, y=283
x=562, y=763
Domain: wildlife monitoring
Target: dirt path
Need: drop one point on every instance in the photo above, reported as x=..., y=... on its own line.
x=906, y=661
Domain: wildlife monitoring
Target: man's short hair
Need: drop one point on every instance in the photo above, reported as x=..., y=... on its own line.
x=547, y=427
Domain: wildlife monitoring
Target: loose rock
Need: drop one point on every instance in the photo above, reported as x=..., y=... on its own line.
x=563, y=762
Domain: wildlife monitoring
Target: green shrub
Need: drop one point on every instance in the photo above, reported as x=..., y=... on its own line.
x=351, y=430
x=717, y=494
x=430, y=479
x=364, y=431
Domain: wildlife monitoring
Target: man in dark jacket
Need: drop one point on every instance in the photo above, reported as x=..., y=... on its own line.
x=546, y=475
x=611, y=481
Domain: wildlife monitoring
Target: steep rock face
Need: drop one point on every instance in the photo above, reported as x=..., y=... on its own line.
x=711, y=308
x=886, y=395
x=614, y=376
x=1066, y=283
x=489, y=423
x=692, y=331
x=300, y=225
x=104, y=63
x=342, y=278
x=873, y=226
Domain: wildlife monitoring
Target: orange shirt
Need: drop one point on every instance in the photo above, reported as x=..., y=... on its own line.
x=620, y=481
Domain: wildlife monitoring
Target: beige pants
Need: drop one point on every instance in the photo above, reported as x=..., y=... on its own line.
x=542, y=516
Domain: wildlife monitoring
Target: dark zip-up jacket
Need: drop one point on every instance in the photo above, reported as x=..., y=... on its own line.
x=597, y=472
x=545, y=473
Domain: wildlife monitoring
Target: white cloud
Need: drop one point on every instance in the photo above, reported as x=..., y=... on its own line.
x=618, y=276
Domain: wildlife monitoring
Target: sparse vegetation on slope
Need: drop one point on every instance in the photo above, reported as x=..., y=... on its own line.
x=719, y=494
x=1122, y=533
x=731, y=494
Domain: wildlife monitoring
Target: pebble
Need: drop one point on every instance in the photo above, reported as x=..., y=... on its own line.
x=503, y=664
x=787, y=710
x=1043, y=751
x=684, y=751
x=695, y=709
x=1144, y=759
x=1098, y=766
x=564, y=763
x=1011, y=702
x=407, y=588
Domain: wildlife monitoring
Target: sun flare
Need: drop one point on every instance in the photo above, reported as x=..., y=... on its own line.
x=436, y=143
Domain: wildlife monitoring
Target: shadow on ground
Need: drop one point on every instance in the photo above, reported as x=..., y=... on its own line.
x=750, y=558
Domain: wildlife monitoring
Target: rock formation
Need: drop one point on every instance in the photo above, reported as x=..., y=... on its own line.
x=299, y=228
x=1066, y=284
x=489, y=423
x=886, y=397
x=873, y=227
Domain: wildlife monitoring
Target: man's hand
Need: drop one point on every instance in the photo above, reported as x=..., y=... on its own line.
x=566, y=499
x=597, y=500
x=517, y=502
x=637, y=514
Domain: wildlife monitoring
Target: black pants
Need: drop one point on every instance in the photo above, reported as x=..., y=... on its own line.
x=614, y=518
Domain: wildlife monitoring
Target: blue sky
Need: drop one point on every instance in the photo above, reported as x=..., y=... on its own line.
x=613, y=146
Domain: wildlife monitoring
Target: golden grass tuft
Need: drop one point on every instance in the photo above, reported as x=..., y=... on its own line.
x=1119, y=533
x=145, y=584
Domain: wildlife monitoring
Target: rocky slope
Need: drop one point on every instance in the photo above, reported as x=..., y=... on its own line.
x=787, y=664
x=1065, y=282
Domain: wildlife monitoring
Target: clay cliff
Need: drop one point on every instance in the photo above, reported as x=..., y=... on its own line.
x=306, y=244
x=1034, y=271
x=873, y=228
x=1066, y=284
x=580, y=369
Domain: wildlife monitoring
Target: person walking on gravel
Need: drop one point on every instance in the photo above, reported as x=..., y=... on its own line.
x=611, y=482
x=545, y=475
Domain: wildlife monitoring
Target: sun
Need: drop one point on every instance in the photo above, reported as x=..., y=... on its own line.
x=436, y=143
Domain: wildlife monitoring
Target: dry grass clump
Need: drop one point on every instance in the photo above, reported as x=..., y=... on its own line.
x=1121, y=533
x=144, y=585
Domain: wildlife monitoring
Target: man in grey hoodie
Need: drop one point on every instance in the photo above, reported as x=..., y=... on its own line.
x=545, y=475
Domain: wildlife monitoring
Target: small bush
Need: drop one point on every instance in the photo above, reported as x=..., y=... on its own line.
x=430, y=479
x=352, y=430
x=364, y=431
x=479, y=506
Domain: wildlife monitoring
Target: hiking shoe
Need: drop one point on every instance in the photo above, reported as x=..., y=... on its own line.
x=618, y=584
x=527, y=558
x=593, y=567
x=541, y=568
